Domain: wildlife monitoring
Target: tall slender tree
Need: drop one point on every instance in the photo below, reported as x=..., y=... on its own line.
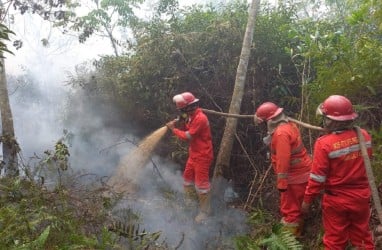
x=224, y=154
x=10, y=145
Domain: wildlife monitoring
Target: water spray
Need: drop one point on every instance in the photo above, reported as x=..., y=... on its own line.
x=130, y=166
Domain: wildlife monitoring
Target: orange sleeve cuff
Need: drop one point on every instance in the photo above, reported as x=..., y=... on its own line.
x=282, y=183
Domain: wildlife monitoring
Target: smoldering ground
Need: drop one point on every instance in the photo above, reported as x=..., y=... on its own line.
x=153, y=187
x=158, y=198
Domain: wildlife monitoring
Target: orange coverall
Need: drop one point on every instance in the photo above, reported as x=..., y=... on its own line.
x=200, y=152
x=291, y=163
x=338, y=169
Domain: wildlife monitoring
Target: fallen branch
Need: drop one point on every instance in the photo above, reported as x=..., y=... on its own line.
x=251, y=197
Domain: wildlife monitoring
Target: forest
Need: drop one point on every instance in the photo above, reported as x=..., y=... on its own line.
x=300, y=53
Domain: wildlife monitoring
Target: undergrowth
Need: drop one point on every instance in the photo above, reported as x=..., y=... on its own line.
x=267, y=234
x=50, y=207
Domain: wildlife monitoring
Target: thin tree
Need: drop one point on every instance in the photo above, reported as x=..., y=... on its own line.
x=10, y=145
x=224, y=154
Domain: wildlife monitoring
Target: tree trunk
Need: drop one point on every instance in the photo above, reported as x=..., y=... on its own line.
x=112, y=40
x=10, y=146
x=224, y=154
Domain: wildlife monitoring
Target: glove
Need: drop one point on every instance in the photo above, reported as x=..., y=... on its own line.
x=305, y=207
x=171, y=124
x=267, y=140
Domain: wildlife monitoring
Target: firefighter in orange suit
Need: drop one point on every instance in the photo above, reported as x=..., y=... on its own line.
x=290, y=160
x=338, y=170
x=200, y=153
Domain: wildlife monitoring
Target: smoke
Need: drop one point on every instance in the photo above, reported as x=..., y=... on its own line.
x=39, y=95
x=159, y=201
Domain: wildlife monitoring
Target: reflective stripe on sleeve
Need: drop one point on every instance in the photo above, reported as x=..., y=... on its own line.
x=188, y=135
x=282, y=175
x=298, y=149
x=318, y=178
x=295, y=161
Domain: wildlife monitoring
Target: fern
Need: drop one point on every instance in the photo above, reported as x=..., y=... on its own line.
x=38, y=243
x=246, y=243
x=281, y=240
x=127, y=225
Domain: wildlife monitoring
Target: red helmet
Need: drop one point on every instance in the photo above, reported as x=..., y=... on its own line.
x=267, y=111
x=337, y=108
x=185, y=99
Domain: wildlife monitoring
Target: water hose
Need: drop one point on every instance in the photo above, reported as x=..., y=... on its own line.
x=305, y=125
x=369, y=172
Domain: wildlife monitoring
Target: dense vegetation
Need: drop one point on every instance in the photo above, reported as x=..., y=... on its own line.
x=297, y=61
x=299, y=57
